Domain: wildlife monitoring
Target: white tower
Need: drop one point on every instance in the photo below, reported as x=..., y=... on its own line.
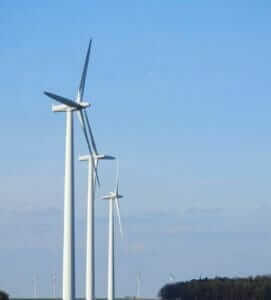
x=68, y=106
x=112, y=197
x=90, y=251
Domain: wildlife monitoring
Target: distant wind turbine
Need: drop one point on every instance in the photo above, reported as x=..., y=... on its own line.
x=112, y=197
x=54, y=285
x=69, y=106
x=138, y=285
x=90, y=251
x=35, y=286
x=172, y=277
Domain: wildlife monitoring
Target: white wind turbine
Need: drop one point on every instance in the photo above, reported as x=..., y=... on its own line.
x=172, y=277
x=69, y=106
x=35, y=286
x=112, y=197
x=54, y=285
x=138, y=285
x=90, y=249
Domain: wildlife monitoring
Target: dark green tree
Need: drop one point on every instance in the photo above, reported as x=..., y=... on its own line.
x=258, y=288
x=4, y=295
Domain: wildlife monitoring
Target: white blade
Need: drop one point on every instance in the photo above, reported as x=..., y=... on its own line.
x=85, y=118
x=91, y=134
x=81, y=89
x=63, y=100
x=96, y=172
x=83, y=126
x=118, y=213
x=80, y=117
x=117, y=178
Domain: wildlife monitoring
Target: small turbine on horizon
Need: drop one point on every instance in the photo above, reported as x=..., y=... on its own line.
x=54, y=285
x=138, y=285
x=112, y=197
x=172, y=278
x=35, y=286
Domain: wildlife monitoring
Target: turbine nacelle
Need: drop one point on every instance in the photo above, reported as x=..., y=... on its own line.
x=108, y=197
x=112, y=196
x=66, y=104
x=96, y=157
x=64, y=108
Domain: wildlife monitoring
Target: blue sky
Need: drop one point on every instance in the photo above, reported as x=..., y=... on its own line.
x=180, y=93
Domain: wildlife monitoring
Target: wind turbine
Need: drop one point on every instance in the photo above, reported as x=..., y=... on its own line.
x=172, y=277
x=69, y=106
x=90, y=251
x=138, y=285
x=54, y=285
x=112, y=197
x=35, y=286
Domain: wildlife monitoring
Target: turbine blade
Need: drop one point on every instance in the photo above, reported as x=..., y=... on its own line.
x=95, y=170
x=83, y=126
x=80, y=93
x=91, y=134
x=63, y=100
x=117, y=178
x=79, y=115
x=96, y=162
x=108, y=157
x=118, y=213
x=97, y=177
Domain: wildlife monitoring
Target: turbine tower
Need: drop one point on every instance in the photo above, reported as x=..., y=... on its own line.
x=54, y=285
x=35, y=286
x=69, y=106
x=112, y=197
x=90, y=250
x=138, y=285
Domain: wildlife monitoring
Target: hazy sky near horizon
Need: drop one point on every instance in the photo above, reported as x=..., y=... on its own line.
x=180, y=92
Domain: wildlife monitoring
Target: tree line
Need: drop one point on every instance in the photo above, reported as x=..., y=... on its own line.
x=219, y=288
